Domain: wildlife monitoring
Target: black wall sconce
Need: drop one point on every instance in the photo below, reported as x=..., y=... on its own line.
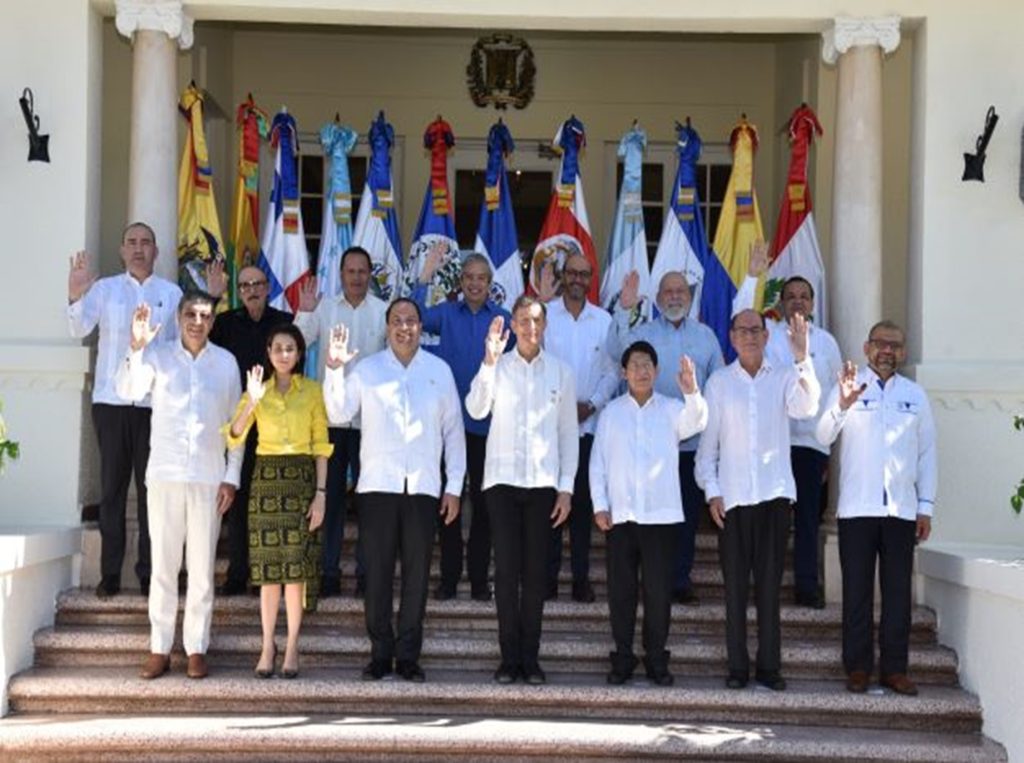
x=38, y=145
x=974, y=164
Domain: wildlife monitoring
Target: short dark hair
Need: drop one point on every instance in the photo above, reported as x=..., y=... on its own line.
x=890, y=326
x=526, y=301
x=640, y=348
x=357, y=250
x=399, y=301
x=288, y=329
x=797, y=279
x=732, y=321
x=195, y=297
x=138, y=224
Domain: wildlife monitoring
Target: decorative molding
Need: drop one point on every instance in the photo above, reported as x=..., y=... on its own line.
x=167, y=16
x=46, y=382
x=975, y=401
x=847, y=32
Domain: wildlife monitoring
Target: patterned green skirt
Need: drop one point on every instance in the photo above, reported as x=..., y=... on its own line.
x=281, y=548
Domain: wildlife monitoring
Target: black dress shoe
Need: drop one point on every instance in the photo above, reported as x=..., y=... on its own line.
x=551, y=592
x=330, y=587
x=444, y=593
x=809, y=599
x=772, y=681
x=617, y=676
x=232, y=588
x=505, y=674
x=109, y=586
x=410, y=671
x=144, y=586
x=376, y=670
x=661, y=677
x=534, y=676
x=735, y=681
x=360, y=591
x=582, y=592
x=686, y=597
x=481, y=594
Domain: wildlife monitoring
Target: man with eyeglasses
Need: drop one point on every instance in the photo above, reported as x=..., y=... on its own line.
x=743, y=465
x=577, y=333
x=887, y=486
x=243, y=332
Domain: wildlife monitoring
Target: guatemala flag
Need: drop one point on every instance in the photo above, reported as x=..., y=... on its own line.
x=566, y=229
x=337, y=140
x=496, y=237
x=377, y=223
x=627, y=249
x=436, y=223
x=285, y=258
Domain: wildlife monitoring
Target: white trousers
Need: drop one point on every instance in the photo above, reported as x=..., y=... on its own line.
x=182, y=514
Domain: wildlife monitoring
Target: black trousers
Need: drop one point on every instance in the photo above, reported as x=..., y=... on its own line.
x=891, y=541
x=808, y=469
x=478, y=547
x=650, y=551
x=123, y=434
x=345, y=454
x=580, y=524
x=521, y=534
x=392, y=524
x=237, y=518
x=754, y=541
x=694, y=504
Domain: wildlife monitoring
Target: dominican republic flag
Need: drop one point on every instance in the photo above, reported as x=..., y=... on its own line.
x=566, y=229
x=377, y=223
x=285, y=258
x=252, y=124
x=627, y=248
x=337, y=141
x=436, y=223
x=795, y=250
x=496, y=237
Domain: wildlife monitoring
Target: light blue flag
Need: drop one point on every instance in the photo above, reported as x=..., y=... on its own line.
x=496, y=236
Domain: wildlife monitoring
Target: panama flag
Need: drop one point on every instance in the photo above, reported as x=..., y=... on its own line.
x=252, y=126
x=795, y=250
x=627, y=248
x=199, y=236
x=337, y=141
x=377, y=223
x=566, y=230
x=437, y=222
x=285, y=258
x=496, y=236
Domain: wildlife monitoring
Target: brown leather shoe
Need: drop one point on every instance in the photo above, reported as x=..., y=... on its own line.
x=900, y=684
x=197, y=666
x=857, y=682
x=156, y=665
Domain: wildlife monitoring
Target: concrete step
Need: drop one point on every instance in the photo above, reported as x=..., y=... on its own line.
x=256, y=738
x=333, y=647
x=467, y=694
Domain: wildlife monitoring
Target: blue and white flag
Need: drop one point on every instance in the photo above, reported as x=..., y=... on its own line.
x=337, y=141
x=376, y=228
x=496, y=237
x=627, y=248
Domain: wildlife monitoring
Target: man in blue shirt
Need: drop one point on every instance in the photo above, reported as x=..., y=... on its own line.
x=461, y=327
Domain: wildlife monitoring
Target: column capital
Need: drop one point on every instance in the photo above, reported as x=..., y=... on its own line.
x=167, y=16
x=847, y=32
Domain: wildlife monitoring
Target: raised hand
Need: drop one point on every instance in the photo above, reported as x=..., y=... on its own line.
x=254, y=384
x=758, y=264
x=849, y=390
x=547, y=284
x=799, y=337
x=496, y=342
x=216, y=278
x=142, y=332
x=433, y=259
x=629, y=297
x=687, y=376
x=338, y=352
x=79, y=277
x=308, y=299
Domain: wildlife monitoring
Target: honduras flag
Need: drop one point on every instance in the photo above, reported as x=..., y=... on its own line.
x=496, y=237
x=566, y=229
x=436, y=223
x=284, y=258
x=337, y=141
x=377, y=223
x=627, y=249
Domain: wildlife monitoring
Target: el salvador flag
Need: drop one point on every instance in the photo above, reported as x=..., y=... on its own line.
x=376, y=228
x=496, y=236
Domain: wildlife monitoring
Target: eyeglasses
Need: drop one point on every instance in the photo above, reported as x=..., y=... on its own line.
x=250, y=285
x=748, y=330
x=882, y=344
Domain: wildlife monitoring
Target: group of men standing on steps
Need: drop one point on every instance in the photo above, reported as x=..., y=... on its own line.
x=543, y=440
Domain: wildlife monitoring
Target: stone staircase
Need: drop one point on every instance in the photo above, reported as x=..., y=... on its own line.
x=82, y=700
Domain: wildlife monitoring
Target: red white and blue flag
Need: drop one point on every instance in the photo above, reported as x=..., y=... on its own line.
x=496, y=236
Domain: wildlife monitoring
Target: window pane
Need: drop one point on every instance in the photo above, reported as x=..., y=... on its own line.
x=312, y=214
x=702, y=182
x=311, y=169
x=530, y=192
x=652, y=183
x=652, y=249
x=357, y=173
x=713, y=214
x=469, y=193
x=654, y=218
x=719, y=182
x=313, y=247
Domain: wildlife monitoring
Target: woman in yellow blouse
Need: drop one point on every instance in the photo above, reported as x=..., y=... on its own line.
x=286, y=501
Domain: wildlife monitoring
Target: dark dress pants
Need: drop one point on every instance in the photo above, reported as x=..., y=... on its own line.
x=123, y=434
x=580, y=524
x=237, y=518
x=649, y=550
x=392, y=524
x=754, y=541
x=890, y=541
x=808, y=469
x=478, y=547
x=521, y=535
x=694, y=504
x=346, y=442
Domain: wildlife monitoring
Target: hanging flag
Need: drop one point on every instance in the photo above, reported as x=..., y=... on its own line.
x=199, y=237
x=252, y=126
x=337, y=141
x=566, y=229
x=437, y=223
x=285, y=258
x=795, y=250
x=496, y=236
x=376, y=228
x=739, y=225
x=627, y=248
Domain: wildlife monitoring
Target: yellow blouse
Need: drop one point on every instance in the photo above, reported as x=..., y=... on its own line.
x=294, y=423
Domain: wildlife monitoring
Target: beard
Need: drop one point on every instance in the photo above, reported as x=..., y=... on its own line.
x=675, y=313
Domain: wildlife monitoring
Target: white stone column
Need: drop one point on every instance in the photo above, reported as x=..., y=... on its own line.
x=856, y=46
x=157, y=28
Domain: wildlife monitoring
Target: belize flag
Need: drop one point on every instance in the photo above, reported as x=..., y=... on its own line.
x=376, y=228
x=566, y=229
x=795, y=250
x=285, y=258
x=337, y=141
x=496, y=237
x=436, y=225
x=627, y=248
x=252, y=126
